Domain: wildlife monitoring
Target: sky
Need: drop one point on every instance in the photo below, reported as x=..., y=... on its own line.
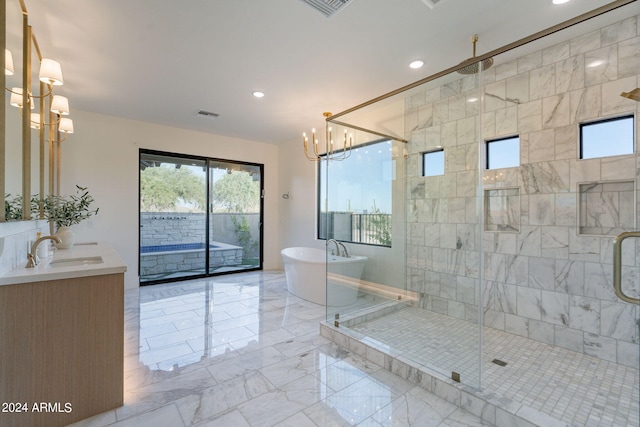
x=361, y=180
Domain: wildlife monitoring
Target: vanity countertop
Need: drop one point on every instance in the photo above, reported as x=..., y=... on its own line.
x=81, y=260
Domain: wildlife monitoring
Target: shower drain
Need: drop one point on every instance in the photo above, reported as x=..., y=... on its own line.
x=499, y=362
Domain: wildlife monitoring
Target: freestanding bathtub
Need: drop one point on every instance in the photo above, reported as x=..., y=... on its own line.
x=306, y=272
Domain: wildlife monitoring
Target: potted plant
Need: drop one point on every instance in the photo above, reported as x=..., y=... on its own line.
x=64, y=212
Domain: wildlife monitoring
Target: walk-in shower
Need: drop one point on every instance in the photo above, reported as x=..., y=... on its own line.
x=505, y=303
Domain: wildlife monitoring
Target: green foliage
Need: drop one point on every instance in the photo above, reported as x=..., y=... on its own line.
x=236, y=192
x=243, y=231
x=163, y=189
x=66, y=211
x=12, y=208
x=381, y=226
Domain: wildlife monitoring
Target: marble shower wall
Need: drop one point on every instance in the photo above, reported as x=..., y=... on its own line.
x=544, y=277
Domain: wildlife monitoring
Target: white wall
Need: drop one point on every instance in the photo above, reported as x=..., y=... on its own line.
x=298, y=212
x=102, y=155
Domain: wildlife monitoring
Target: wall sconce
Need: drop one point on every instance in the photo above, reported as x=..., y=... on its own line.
x=50, y=72
x=35, y=121
x=16, y=97
x=60, y=105
x=66, y=125
x=8, y=63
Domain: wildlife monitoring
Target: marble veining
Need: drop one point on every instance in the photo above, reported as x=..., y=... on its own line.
x=239, y=350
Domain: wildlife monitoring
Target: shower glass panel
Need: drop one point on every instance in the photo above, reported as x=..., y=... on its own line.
x=431, y=311
x=361, y=219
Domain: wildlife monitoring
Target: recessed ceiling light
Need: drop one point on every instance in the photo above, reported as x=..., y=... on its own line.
x=258, y=94
x=416, y=64
x=560, y=1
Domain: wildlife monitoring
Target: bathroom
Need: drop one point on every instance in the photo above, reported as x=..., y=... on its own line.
x=543, y=279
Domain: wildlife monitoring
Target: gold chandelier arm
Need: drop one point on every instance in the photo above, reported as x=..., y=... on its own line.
x=31, y=95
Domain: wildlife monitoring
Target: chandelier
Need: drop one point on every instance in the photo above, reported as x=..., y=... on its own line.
x=316, y=154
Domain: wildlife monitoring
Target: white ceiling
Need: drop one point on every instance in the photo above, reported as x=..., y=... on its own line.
x=161, y=61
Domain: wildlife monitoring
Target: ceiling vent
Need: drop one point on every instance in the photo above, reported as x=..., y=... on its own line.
x=433, y=3
x=327, y=7
x=208, y=114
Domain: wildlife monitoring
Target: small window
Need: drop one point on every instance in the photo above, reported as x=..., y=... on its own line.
x=433, y=163
x=503, y=153
x=604, y=138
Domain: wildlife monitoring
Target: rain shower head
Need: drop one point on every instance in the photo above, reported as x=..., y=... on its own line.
x=475, y=67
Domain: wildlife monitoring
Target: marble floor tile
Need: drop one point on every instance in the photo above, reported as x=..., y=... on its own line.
x=239, y=350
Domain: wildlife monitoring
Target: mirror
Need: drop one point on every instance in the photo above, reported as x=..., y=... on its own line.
x=38, y=164
x=13, y=118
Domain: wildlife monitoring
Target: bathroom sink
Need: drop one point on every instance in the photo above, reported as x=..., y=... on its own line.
x=74, y=262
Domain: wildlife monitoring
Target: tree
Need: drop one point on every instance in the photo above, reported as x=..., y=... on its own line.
x=381, y=226
x=164, y=189
x=236, y=192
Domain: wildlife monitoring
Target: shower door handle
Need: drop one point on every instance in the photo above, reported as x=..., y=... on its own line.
x=617, y=266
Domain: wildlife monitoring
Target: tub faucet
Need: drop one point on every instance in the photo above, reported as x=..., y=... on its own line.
x=32, y=257
x=344, y=248
x=337, y=251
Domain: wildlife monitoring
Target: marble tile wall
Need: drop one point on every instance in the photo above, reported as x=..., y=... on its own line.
x=546, y=279
x=15, y=238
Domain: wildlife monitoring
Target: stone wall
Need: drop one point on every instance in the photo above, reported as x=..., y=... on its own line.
x=543, y=276
x=165, y=228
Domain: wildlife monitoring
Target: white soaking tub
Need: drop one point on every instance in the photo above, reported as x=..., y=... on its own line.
x=306, y=272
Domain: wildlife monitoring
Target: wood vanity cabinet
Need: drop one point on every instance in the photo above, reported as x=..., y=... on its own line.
x=61, y=350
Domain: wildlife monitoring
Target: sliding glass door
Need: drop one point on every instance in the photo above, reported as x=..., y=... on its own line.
x=235, y=216
x=198, y=216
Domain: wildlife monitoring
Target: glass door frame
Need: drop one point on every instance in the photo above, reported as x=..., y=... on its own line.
x=208, y=161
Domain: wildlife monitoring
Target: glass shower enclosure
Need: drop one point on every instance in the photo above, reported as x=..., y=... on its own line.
x=500, y=224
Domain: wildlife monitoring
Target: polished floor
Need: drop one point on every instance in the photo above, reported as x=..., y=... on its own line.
x=238, y=350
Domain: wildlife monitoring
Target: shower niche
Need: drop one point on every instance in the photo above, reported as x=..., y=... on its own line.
x=606, y=208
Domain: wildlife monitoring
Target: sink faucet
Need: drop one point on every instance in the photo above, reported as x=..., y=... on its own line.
x=32, y=257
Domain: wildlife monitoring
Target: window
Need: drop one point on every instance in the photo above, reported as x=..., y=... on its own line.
x=604, y=138
x=503, y=153
x=433, y=163
x=354, y=198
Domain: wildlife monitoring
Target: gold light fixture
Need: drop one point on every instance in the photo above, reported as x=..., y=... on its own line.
x=315, y=153
x=35, y=121
x=66, y=125
x=60, y=105
x=8, y=63
x=50, y=72
x=17, y=98
x=634, y=94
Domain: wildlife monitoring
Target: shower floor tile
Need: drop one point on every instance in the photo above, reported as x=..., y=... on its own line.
x=572, y=387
